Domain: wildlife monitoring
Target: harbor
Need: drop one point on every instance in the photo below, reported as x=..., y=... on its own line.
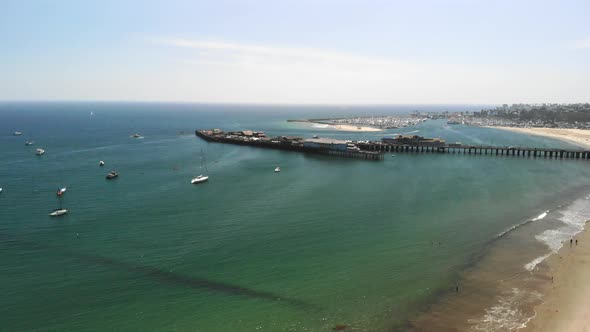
x=375, y=150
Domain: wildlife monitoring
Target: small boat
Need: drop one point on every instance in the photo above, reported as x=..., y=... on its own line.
x=277, y=169
x=39, y=151
x=315, y=136
x=101, y=163
x=136, y=135
x=58, y=212
x=17, y=133
x=27, y=143
x=113, y=174
x=201, y=178
x=61, y=191
x=0, y=190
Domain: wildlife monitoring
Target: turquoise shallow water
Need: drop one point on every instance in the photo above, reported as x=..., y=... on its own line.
x=325, y=242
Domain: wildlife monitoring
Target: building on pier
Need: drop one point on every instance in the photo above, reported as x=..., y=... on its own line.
x=412, y=140
x=325, y=143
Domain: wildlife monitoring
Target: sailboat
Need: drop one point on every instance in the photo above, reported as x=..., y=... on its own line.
x=201, y=178
x=59, y=211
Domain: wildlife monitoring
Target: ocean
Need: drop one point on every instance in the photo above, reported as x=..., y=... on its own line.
x=373, y=246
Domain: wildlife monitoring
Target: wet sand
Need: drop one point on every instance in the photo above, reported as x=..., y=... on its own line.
x=580, y=137
x=565, y=301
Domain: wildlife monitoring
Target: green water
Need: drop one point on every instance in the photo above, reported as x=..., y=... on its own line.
x=324, y=242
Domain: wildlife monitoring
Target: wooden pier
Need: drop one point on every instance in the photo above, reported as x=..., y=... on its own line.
x=290, y=144
x=478, y=150
x=374, y=150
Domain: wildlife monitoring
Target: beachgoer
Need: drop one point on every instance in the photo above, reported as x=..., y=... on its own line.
x=576, y=241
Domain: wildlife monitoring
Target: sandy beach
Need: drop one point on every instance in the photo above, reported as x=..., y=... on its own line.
x=565, y=304
x=580, y=137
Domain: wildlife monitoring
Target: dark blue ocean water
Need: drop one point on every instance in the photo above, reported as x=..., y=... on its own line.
x=326, y=241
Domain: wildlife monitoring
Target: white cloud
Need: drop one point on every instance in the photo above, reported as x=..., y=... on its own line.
x=582, y=44
x=241, y=72
x=240, y=51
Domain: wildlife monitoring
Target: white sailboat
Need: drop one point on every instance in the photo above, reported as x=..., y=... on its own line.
x=202, y=177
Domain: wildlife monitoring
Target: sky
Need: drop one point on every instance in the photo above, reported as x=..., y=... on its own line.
x=296, y=52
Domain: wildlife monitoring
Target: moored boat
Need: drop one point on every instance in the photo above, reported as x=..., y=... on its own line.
x=112, y=174
x=201, y=178
x=58, y=212
x=39, y=151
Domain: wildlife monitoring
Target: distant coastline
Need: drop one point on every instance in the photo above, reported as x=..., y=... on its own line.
x=337, y=126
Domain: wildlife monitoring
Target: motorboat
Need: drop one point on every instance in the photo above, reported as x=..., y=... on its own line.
x=39, y=151
x=27, y=143
x=61, y=191
x=17, y=133
x=315, y=136
x=199, y=179
x=101, y=163
x=277, y=169
x=58, y=212
x=136, y=135
x=113, y=174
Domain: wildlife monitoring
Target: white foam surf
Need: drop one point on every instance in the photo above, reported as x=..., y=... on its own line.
x=321, y=126
x=539, y=217
x=506, y=314
x=574, y=218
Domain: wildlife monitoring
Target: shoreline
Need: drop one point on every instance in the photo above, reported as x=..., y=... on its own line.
x=578, y=137
x=564, y=307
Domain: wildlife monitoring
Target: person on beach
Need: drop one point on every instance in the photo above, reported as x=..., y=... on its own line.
x=571, y=240
x=576, y=241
